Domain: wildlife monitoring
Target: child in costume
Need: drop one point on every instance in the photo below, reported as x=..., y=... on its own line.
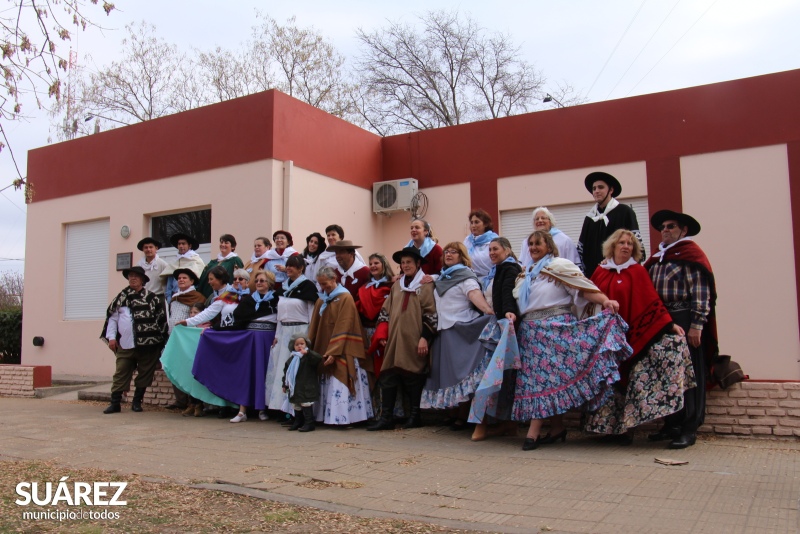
x=301, y=382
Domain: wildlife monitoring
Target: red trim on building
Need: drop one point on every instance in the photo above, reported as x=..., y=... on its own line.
x=243, y=130
x=793, y=156
x=663, y=191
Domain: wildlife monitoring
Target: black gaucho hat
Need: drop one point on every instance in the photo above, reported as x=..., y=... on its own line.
x=135, y=270
x=612, y=182
x=412, y=252
x=188, y=272
x=140, y=245
x=174, y=238
x=688, y=221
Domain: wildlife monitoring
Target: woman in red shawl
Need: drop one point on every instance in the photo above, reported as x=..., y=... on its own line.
x=371, y=297
x=660, y=370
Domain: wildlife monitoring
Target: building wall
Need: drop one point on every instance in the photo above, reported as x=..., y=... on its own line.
x=741, y=199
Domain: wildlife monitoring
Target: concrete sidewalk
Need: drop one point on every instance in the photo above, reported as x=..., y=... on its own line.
x=431, y=473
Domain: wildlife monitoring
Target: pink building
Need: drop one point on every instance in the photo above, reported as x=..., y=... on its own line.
x=727, y=153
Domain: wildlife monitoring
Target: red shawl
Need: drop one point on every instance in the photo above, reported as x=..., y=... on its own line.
x=690, y=253
x=639, y=305
x=371, y=299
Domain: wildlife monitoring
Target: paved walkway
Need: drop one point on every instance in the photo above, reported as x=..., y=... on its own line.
x=431, y=473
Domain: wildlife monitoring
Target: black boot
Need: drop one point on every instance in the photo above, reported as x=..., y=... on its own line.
x=299, y=419
x=415, y=386
x=114, y=407
x=138, y=396
x=386, y=421
x=308, y=415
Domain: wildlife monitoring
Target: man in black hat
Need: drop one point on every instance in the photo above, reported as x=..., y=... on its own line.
x=187, y=258
x=682, y=276
x=606, y=217
x=152, y=264
x=352, y=272
x=135, y=330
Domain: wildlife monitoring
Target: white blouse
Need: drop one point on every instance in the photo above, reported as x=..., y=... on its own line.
x=455, y=306
x=481, y=264
x=294, y=310
x=546, y=293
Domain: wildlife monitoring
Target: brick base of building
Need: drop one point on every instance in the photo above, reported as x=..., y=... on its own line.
x=22, y=380
x=754, y=409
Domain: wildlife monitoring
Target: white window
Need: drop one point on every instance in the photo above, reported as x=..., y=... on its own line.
x=516, y=224
x=86, y=270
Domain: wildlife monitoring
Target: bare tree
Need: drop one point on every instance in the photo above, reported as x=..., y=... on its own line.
x=11, y=290
x=450, y=72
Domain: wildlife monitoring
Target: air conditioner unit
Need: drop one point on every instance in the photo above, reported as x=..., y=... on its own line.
x=394, y=195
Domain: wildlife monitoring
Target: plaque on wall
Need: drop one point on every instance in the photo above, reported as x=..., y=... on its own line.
x=124, y=260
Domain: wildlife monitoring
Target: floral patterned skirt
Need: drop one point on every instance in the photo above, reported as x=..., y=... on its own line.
x=655, y=389
x=567, y=363
x=336, y=406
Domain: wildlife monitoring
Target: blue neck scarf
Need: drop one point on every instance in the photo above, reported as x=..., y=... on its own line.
x=554, y=231
x=426, y=247
x=475, y=242
x=291, y=372
x=533, y=272
x=241, y=292
x=376, y=283
x=489, y=277
x=328, y=298
x=447, y=273
x=259, y=299
x=287, y=287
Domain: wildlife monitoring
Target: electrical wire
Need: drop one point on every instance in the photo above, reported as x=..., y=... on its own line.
x=643, y=48
x=617, y=46
x=673, y=46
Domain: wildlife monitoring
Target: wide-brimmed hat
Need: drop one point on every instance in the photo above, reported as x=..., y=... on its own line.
x=612, y=182
x=344, y=244
x=412, y=252
x=140, y=245
x=135, y=270
x=174, y=238
x=688, y=221
x=188, y=272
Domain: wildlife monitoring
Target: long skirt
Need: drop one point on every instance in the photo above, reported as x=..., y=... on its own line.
x=337, y=406
x=656, y=384
x=276, y=399
x=233, y=364
x=567, y=363
x=178, y=359
x=458, y=360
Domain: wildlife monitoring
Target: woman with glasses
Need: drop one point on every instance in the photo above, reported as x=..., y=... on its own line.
x=241, y=282
x=655, y=378
x=457, y=353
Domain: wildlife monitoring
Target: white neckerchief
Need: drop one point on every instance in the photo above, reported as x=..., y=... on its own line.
x=349, y=273
x=254, y=258
x=595, y=214
x=272, y=254
x=188, y=254
x=610, y=264
x=415, y=282
x=662, y=250
x=229, y=256
x=190, y=288
x=149, y=266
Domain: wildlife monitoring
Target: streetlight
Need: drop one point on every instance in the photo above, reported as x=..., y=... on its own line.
x=549, y=98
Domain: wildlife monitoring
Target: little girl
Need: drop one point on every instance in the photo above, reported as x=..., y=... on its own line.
x=301, y=381
x=196, y=308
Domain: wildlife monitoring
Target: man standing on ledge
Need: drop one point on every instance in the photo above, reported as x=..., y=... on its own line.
x=682, y=276
x=351, y=273
x=135, y=330
x=606, y=217
x=152, y=265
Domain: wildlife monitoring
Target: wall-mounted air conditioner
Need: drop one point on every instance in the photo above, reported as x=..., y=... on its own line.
x=394, y=195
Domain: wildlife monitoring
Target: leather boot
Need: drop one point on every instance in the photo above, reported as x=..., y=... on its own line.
x=114, y=407
x=386, y=421
x=415, y=386
x=308, y=415
x=138, y=396
x=189, y=411
x=299, y=420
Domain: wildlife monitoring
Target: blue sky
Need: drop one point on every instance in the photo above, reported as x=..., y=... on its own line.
x=605, y=50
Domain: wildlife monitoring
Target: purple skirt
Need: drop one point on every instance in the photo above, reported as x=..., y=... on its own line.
x=233, y=364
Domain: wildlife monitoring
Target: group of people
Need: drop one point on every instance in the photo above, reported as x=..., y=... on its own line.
x=494, y=338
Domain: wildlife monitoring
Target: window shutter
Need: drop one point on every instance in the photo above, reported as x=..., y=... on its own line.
x=86, y=270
